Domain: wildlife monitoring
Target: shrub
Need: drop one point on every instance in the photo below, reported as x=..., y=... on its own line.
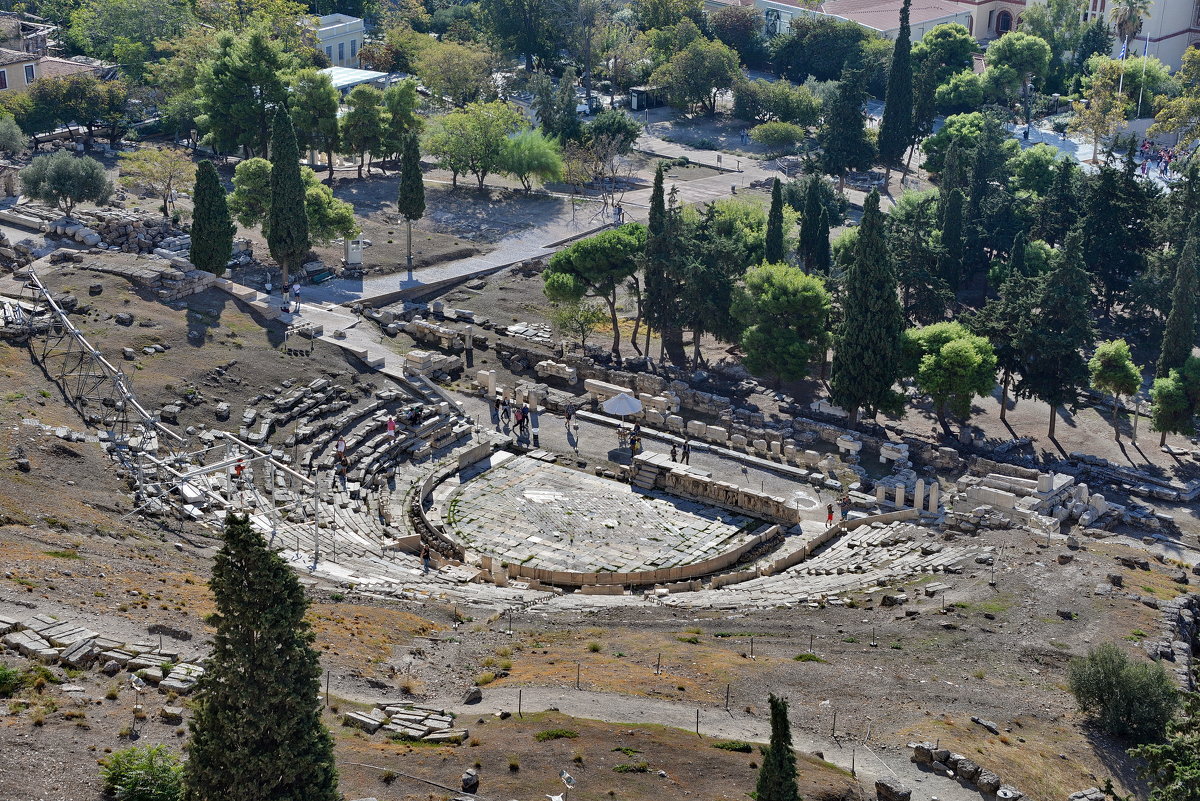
x=1125, y=698
x=594, y=647
x=11, y=681
x=778, y=137
x=555, y=734
x=806, y=657
x=142, y=774
x=734, y=745
x=634, y=767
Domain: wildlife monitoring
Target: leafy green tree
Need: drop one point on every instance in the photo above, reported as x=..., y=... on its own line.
x=915, y=249
x=820, y=46
x=596, y=267
x=99, y=27
x=784, y=313
x=652, y=14
x=1102, y=111
x=615, y=126
x=212, y=228
x=1024, y=54
x=665, y=267
x=12, y=139
x=696, y=75
x=1095, y=36
x=1180, y=335
x=740, y=27
x=257, y=721
x=843, y=137
x=1032, y=171
x=530, y=156
x=777, y=776
x=400, y=101
x=866, y=360
x=778, y=137
x=159, y=170
x=1126, y=698
x=577, y=318
x=961, y=94
x=1054, y=368
x=410, y=201
x=287, y=223
x=760, y=100
x=1112, y=370
x=250, y=203
x=555, y=106
x=814, y=228
x=1175, y=399
x=1056, y=22
x=314, y=105
x=64, y=180
x=952, y=366
x=474, y=139
x=773, y=253
x=239, y=88
x=1127, y=17
x=362, y=128
x=526, y=27
x=1180, y=115
x=721, y=245
x=895, y=130
x=1173, y=766
x=947, y=47
x=142, y=774
x=456, y=74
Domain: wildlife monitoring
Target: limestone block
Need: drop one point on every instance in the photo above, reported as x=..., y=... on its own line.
x=654, y=418
x=847, y=443
x=760, y=445
x=880, y=494
x=934, y=490
x=737, y=440
x=899, y=495
x=716, y=434
x=696, y=428
x=675, y=422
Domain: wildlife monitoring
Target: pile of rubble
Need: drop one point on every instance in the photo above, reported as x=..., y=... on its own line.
x=408, y=722
x=948, y=763
x=50, y=640
x=117, y=230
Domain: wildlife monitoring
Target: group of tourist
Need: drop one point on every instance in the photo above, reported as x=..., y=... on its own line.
x=1163, y=159
x=520, y=418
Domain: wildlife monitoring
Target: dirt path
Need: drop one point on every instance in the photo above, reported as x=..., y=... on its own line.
x=869, y=762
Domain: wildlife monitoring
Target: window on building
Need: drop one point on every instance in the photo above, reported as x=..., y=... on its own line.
x=3, y=79
x=353, y=48
x=28, y=74
x=341, y=52
x=329, y=52
x=1004, y=22
x=991, y=15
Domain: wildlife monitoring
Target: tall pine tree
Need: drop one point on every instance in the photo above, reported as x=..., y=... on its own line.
x=843, y=137
x=822, y=252
x=1055, y=369
x=653, y=264
x=777, y=776
x=810, y=223
x=287, y=220
x=410, y=201
x=212, y=228
x=950, y=262
x=1056, y=213
x=1180, y=334
x=895, y=130
x=257, y=731
x=867, y=361
x=773, y=247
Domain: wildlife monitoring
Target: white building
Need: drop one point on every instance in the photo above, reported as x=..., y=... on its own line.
x=341, y=37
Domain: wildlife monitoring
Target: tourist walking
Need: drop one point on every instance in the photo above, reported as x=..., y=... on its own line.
x=844, y=505
x=296, y=296
x=506, y=411
x=341, y=449
x=673, y=452
x=569, y=413
x=687, y=451
x=525, y=417
x=391, y=428
x=425, y=557
x=829, y=515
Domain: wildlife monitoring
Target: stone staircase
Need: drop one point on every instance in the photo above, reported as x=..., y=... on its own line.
x=645, y=475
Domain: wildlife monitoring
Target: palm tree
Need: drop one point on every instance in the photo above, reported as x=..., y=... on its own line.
x=1127, y=16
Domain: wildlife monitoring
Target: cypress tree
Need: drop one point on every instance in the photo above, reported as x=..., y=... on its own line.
x=951, y=260
x=410, y=201
x=810, y=223
x=843, y=137
x=257, y=730
x=822, y=253
x=287, y=220
x=773, y=248
x=212, y=229
x=867, y=362
x=895, y=129
x=954, y=171
x=777, y=776
x=1180, y=333
x=652, y=264
x=1061, y=328
x=1056, y=213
